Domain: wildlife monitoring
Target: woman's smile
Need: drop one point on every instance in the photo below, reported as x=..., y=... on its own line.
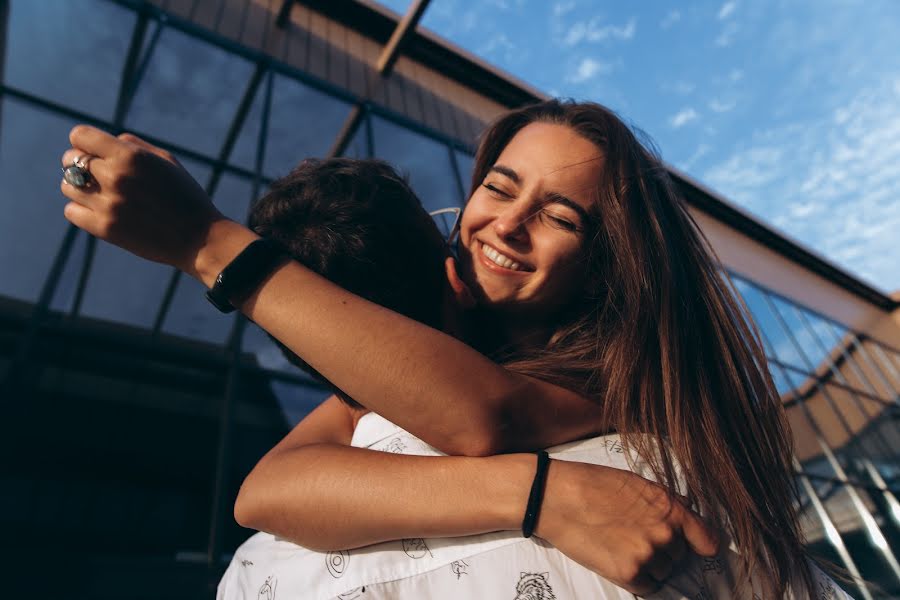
x=498, y=262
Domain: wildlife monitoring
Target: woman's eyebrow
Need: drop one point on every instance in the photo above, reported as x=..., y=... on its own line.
x=555, y=198
x=506, y=171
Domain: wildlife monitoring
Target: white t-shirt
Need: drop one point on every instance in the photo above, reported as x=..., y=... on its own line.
x=493, y=565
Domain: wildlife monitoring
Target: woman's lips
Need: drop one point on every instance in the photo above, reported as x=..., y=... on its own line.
x=498, y=262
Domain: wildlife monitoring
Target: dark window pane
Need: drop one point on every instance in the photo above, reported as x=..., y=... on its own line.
x=466, y=164
x=191, y=315
x=244, y=152
x=426, y=161
x=125, y=288
x=777, y=340
x=32, y=226
x=189, y=93
x=69, y=52
x=303, y=123
x=64, y=296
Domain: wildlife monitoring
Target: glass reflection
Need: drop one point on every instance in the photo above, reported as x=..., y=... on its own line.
x=303, y=123
x=32, y=226
x=189, y=92
x=46, y=34
x=778, y=343
x=426, y=161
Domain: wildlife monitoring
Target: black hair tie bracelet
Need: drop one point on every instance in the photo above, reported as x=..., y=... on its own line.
x=536, y=495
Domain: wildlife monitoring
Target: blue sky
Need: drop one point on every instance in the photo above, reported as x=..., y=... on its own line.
x=789, y=108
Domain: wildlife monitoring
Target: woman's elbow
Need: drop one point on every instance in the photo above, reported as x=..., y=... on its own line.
x=476, y=442
x=246, y=508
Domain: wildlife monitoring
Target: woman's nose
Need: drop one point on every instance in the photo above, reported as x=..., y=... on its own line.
x=511, y=222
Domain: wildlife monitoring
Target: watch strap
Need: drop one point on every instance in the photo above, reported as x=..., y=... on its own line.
x=243, y=275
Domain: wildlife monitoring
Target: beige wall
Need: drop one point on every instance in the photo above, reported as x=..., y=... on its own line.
x=759, y=263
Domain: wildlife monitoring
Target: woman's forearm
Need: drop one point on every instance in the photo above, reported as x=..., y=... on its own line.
x=327, y=496
x=431, y=384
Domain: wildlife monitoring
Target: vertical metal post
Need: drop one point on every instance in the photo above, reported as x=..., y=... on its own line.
x=460, y=186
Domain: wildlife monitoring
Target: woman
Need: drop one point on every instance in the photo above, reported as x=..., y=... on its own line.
x=614, y=318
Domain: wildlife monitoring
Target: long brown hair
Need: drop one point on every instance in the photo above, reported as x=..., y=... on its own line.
x=659, y=338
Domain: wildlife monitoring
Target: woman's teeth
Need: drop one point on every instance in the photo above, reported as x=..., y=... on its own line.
x=499, y=259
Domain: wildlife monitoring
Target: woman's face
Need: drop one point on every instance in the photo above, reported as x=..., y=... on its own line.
x=522, y=235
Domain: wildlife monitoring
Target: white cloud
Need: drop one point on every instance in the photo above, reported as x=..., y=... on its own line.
x=726, y=36
x=721, y=106
x=683, y=117
x=588, y=68
x=593, y=31
x=727, y=10
x=670, y=19
x=735, y=75
x=562, y=8
x=701, y=151
x=679, y=86
x=832, y=182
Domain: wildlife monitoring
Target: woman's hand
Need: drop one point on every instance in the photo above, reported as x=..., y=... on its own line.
x=138, y=198
x=620, y=525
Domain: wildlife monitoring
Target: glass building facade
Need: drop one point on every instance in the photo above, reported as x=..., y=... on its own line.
x=134, y=410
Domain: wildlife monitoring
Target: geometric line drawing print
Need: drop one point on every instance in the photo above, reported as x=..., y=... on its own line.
x=415, y=547
x=267, y=591
x=353, y=594
x=613, y=445
x=396, y=446
x=337, y=562
x=534, y=586
x=459, y=568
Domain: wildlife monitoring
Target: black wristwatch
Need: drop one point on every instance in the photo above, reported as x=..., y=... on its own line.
x=242, y=276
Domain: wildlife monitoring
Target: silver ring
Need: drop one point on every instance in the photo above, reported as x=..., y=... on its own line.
x=77, y=174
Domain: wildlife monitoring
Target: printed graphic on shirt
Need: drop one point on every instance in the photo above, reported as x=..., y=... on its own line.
x=337, y=562
x=353, y=594
x=267, y=591
x=246, y=563
x=827, y=591
x=534, y=586
x=415, y=547
x=613, y=445
x=396, y=446
x=459, y=568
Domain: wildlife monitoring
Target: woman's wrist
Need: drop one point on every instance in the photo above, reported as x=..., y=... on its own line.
x=224, y=240
x=515, y=474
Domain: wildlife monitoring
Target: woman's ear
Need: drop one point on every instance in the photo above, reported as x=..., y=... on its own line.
x=464, y=297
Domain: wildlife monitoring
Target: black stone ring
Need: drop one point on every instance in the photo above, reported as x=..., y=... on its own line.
x=77, y=174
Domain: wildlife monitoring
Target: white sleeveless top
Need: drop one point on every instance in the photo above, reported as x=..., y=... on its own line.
x=493, y=565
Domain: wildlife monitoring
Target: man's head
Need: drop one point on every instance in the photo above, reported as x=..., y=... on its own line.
x=358, y=224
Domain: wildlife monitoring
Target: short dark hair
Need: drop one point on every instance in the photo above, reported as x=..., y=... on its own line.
x=360, y=225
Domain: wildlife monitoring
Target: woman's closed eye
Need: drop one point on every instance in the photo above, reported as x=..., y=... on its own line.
x=495, y=191
x=555, y=220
